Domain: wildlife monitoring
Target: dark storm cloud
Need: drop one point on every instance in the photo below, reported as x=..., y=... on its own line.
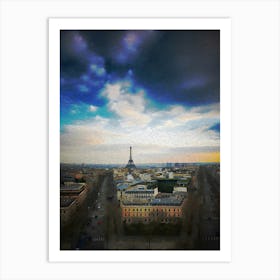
x=173, y=66
x=73, y=62
x=182, y=66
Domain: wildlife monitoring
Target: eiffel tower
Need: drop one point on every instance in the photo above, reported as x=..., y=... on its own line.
x=130, y=164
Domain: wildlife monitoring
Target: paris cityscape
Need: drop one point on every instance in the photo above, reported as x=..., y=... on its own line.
x=139, y=140
x=175, y=207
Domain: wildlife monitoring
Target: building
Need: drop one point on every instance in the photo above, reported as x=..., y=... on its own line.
x=166, y=185
x=180, y=190
x=121, y=188
x=145, y=177
x=160, y=210
x=140, y=192
x=68, y=207
x=77, y=191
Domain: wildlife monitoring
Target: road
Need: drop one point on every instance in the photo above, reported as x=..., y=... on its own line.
x=209, y=214
x=96, y=231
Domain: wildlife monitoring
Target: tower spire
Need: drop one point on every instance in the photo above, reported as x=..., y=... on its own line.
x=130, y=165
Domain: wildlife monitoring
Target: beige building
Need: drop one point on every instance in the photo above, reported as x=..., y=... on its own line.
x=162, y=210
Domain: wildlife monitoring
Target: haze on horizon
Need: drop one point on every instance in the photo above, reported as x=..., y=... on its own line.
x=157, y=91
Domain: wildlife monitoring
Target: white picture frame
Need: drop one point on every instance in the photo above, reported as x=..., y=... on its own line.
x=24, y=94
x=222, y=24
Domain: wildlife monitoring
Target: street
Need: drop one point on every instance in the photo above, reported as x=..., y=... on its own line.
x=95, y=233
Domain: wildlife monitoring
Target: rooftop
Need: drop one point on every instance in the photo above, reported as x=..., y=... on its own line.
x=164, y=201
x=139, y=191
x=122, y=187
x=167, y=201
x=75, y=187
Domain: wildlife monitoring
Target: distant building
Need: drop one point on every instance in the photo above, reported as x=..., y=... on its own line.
x=145, y=177
x=129, y=178
x=181, y=190
x=170, y=175
x=67, y=178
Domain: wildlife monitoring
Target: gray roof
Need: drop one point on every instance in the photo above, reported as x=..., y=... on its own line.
x=139, y=191
x=165, y=201
x=122, y=187
x=72, y=187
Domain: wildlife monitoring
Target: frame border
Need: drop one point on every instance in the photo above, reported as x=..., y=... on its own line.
x=224, y=25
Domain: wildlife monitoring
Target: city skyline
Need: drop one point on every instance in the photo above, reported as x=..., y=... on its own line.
x=157, y=91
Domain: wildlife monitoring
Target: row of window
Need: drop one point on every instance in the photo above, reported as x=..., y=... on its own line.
x=149, y=220
x=149, y=209
x=139, y=194
x=140, y=215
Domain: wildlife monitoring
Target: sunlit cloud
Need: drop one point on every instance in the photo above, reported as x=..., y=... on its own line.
x=157, y=133
x=129, y=107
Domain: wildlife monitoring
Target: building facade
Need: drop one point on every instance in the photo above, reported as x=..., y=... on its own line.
x=161, y=210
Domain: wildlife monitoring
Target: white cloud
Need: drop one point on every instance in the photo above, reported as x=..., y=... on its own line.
x=130, y=107
x=155, y=133
x=180, y=116
x=93, y=108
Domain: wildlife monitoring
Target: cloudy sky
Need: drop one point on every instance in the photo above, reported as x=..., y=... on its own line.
x=157, y=91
